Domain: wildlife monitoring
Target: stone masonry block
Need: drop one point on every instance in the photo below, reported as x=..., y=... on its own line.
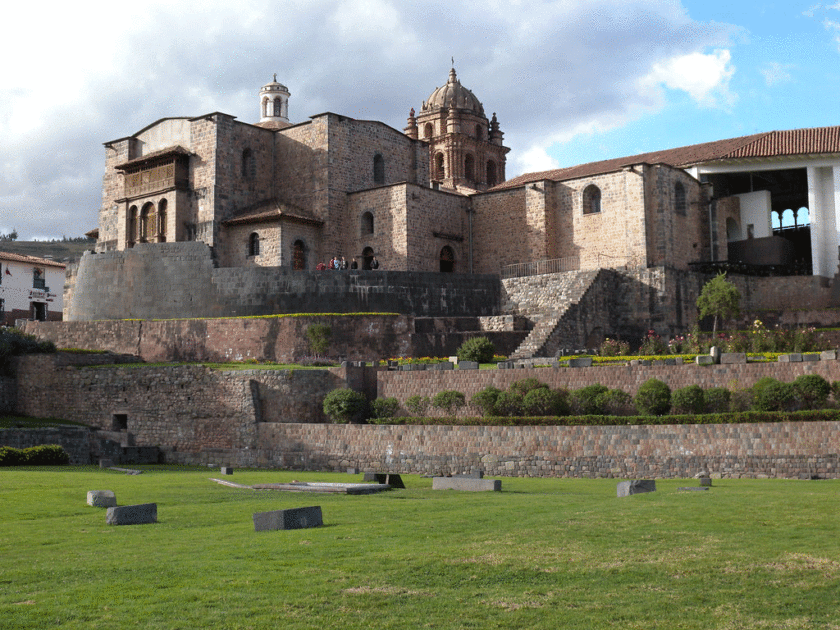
x=466, y=483
x=704, y=359
x=636, y=486
x=790, y=358
x=828, y=355
x=101, y=498
x=582, y=362
x=132, y=514
x=294, y=518
x=729, y=358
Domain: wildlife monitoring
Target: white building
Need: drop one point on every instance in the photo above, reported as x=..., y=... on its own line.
x=30, y=288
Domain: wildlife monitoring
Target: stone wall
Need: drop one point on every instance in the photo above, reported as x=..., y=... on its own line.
x=177, y=408
x=784, y=450
x=178, y=280
x=273, y=418
x=402, y=385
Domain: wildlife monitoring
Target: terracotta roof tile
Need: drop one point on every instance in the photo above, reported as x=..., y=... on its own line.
x=271, y=210
x=819, y=140
x=32, y=260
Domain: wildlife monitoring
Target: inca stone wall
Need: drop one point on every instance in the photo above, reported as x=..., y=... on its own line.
x=786, y=450
x=402, y=385
x=273, y=418
x=178, y=280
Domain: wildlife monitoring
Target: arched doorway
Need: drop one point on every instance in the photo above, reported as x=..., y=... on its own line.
x=447, y=259
x=367, y=256
x=298, y=256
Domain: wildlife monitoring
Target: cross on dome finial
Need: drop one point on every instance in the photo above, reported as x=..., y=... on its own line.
x=275, y=77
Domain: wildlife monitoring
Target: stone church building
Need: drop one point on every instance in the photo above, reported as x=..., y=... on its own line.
x=277, y=197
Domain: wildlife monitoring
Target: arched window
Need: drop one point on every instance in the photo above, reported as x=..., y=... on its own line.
x=775, y=220
x=591, y=199
x=367, y=223
x=161, y=221
x=298, y=255
x=249, y=164
x=440, y=172
x=147, y=222
x=479, y=132
x=428, y=130
x=680, y=204
x=447, y=259
x=788, y=218
x=491, y=173
x=278, y=107
x=266, y=107
x=469, y=167
x=367, y=256
x=802, y=217
x=254, y=244
x=378, y=169
x=133, y=226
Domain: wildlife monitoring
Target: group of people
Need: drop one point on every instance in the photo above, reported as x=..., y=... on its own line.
x=337, y=263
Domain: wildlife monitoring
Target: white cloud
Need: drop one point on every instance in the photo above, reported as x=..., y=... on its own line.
x=552, y=69
x=775, y=73
x=705, y=77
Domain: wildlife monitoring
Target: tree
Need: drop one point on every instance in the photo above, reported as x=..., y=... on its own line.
x=720, y=299
x=319, y=338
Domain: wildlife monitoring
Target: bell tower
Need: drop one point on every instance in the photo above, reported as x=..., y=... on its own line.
x=465, y=148
x=274, y=104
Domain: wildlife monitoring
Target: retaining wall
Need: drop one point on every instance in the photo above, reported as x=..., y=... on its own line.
x=785, y=450
x=179, y=280
x=8, y=394
x=402, y=385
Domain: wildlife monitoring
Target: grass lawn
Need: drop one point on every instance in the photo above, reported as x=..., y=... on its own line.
x=543, y=553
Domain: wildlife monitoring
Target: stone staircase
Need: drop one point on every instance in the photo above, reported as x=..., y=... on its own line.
x=568, y=293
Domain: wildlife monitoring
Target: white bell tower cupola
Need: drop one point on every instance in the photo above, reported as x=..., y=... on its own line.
x=274, y=103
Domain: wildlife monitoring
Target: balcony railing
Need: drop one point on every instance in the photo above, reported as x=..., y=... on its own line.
x=539, y=267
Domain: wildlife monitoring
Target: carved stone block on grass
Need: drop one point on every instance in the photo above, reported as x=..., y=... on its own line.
x=101, y=498
x=226, y=470
x=393, y=480
x=636, y=486
x=294, y=518
x=466, y=483
x=141, y=514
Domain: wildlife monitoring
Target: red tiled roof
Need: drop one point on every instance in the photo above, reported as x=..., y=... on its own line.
x=820, y=140
x=32, y=260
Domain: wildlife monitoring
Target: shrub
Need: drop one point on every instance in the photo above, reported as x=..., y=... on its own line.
x=478, y=349
x=486, y=400
x=345, y=405
x=653, y=344
x=584, y=401
x=543, y=401
x=384, y=408
x=614, y=348
x=525, y=385
x=835, y=391
x=812, y=389
x=509, y=404
x=653, y=398
x=774, y=396
x=44, y=455
x=615, y=402
x=418, y=405
x=717, y=400
x=449, y=401
x=690, y=400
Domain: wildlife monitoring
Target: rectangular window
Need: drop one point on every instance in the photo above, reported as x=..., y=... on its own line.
x=38, y=279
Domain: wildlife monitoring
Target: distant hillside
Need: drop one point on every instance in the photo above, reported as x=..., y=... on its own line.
x=59, y=252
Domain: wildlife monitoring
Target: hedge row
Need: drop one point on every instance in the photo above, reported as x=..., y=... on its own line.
x=745, y=417
x=44, y=455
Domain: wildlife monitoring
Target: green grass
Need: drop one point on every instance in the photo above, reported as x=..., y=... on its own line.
x=26, y=422
x=544, y=553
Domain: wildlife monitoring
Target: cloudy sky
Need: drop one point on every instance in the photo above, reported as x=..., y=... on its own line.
x=571, y=81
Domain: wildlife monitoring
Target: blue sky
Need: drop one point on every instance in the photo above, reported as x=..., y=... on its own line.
x=570, y=81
